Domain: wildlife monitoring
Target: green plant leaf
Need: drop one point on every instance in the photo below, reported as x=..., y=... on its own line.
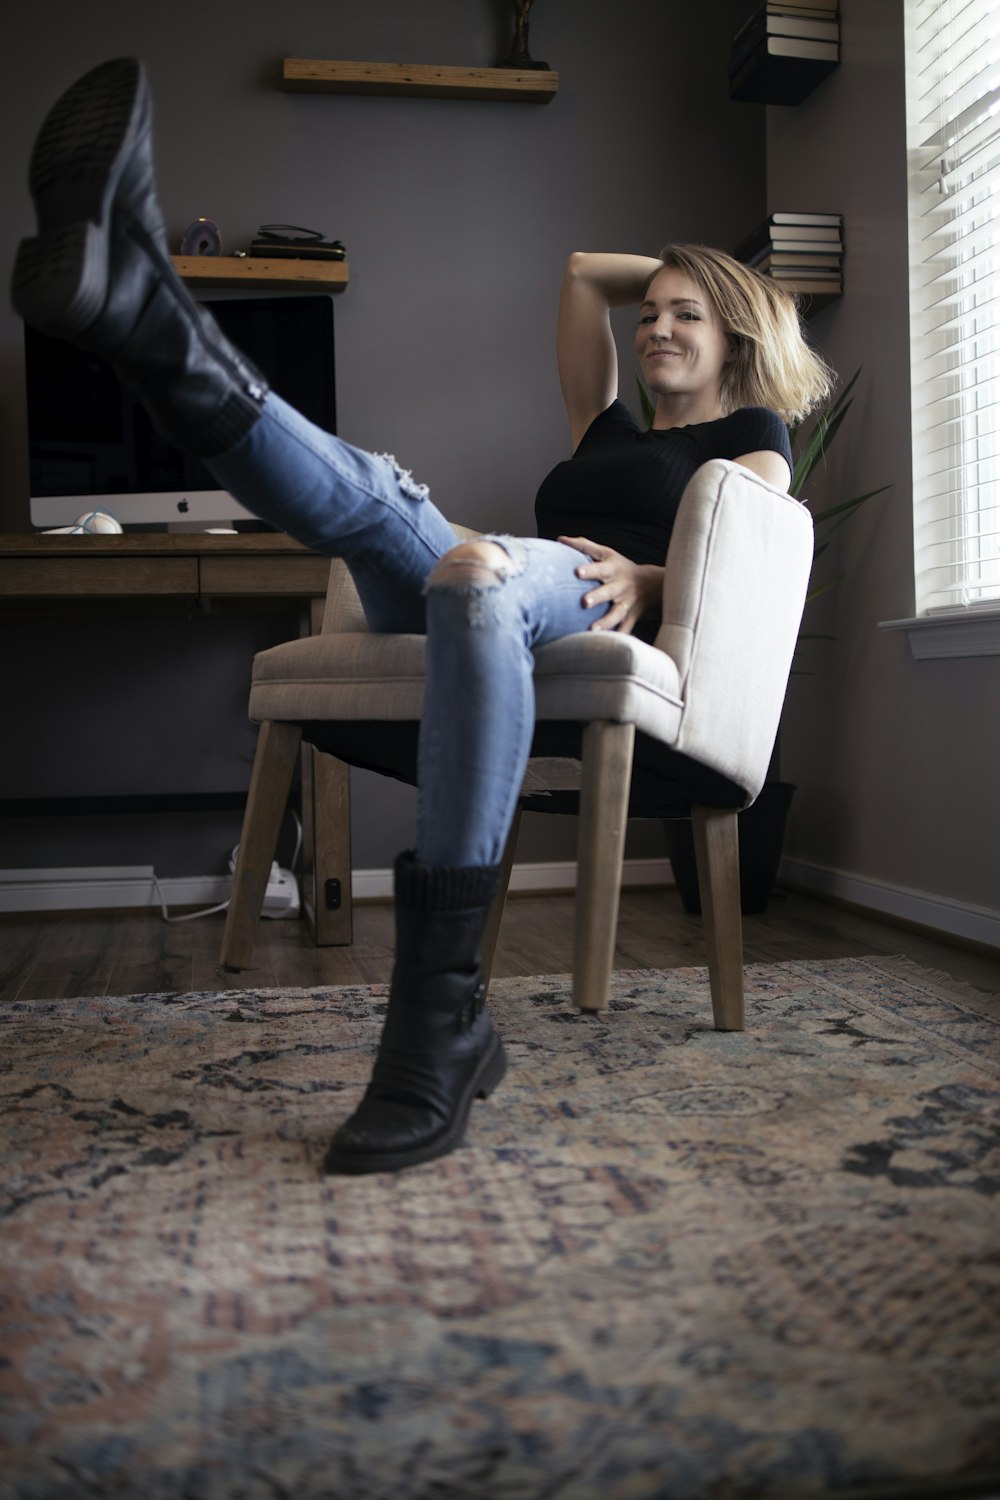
x=821, y=588
x=822, y=516
x=822, y=435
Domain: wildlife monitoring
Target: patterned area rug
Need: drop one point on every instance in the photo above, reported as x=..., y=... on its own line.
x=668, y=1262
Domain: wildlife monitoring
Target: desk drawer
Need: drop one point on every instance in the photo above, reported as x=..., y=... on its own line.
x=288, y=577
x=96, y=577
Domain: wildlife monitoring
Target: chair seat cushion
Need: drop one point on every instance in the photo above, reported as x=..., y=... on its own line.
x=597, y=675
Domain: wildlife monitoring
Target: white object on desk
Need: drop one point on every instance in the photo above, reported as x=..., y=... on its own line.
x=93, y=523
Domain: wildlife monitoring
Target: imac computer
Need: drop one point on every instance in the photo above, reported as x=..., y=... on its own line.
x=91, y=445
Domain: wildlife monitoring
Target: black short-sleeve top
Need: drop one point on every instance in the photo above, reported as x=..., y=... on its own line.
x=623, y=484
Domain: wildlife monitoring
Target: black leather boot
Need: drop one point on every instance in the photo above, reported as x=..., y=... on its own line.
x=99, y=275
x=438, y=1050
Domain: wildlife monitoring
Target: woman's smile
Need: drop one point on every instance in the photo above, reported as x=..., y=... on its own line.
x=682, y=348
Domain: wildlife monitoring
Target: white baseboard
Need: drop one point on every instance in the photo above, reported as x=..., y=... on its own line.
x=106, y=888
x=376, y=885
x=978, y=924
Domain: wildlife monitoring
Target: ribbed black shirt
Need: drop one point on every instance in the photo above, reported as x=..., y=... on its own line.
x=623, y=485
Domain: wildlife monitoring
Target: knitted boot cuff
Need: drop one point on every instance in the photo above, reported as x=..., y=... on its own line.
x=432, y=888
x=231, y=422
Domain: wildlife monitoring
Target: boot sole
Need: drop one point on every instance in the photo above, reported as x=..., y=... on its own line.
x=59, y=283
x=485, y=1079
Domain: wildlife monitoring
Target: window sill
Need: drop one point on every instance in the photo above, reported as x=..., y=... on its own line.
x=971, y=633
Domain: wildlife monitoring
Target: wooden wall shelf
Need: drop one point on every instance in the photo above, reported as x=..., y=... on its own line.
x=257, y=270
x=417, y=80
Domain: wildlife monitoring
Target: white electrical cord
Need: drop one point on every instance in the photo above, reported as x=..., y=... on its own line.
x=210, y=911
x=188, y=916
x=298, y=838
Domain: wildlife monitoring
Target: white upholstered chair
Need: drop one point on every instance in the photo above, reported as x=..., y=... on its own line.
x=683, y=727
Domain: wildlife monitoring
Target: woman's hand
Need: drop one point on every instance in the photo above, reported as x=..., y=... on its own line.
x=630, y=589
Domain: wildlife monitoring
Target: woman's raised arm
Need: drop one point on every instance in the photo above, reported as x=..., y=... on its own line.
x=588, y=363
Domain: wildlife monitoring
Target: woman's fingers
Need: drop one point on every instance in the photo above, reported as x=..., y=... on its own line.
x=615, y=577
x=620, y=617
x=584, y=544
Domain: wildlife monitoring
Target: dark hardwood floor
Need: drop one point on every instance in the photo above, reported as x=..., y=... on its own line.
x=60, y=955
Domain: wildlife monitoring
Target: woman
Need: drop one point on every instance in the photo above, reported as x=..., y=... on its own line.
x=722, y=353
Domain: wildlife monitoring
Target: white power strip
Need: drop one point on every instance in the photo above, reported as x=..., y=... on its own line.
x=281, y=898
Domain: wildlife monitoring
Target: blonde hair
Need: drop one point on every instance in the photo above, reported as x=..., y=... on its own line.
x=774, y=366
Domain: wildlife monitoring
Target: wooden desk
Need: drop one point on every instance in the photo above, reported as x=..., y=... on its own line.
x=256, y=567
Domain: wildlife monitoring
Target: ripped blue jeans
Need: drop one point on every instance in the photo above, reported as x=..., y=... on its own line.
x=481, y=624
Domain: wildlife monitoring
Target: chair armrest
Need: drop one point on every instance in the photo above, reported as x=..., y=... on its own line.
x=343, y=612
x=734, y=589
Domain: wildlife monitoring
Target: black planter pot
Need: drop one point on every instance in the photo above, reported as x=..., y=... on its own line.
x=762, y=834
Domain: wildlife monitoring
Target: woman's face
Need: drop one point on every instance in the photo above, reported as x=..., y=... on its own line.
x=681, y=345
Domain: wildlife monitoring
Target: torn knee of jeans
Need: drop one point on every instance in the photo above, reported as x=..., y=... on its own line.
x=405, y=479
x=475, y=566
x=482, y=562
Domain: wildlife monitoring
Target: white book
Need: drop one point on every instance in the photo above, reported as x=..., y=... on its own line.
x=823, y=235
x=805, y=246
x=821, y=31
x=828, y=221
x=829, y=9
x=796, y=273
x=791, y=46
x=796, y=258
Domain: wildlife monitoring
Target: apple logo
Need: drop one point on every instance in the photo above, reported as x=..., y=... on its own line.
x=182, y=505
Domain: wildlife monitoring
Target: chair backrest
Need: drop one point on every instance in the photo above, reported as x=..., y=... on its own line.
x=343, y=610
x=734, y=589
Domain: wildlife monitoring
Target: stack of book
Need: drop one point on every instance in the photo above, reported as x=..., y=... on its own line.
x=802, y=251
x=783, y=51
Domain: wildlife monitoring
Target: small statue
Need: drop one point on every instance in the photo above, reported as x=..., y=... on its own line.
x=518, y=55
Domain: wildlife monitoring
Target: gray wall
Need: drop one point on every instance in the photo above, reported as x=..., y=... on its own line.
x=457, y=217
x=895, y=759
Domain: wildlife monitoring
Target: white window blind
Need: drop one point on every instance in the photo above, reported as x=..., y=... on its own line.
x=953, y=122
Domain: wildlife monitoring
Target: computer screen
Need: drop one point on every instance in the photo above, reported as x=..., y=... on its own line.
x=91, y=444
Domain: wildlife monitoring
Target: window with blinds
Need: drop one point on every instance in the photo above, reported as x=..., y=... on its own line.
x=953, y=123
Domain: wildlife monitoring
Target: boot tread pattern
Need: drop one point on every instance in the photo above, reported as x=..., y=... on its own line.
x=83, y=134
x=59, y=281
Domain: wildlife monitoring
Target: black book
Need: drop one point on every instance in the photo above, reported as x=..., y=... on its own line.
x=267, y=249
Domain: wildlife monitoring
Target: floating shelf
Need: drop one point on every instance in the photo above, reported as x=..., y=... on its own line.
x=253, y=270
x=305, y=75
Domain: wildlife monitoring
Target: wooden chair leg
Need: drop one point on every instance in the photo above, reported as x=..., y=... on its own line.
x=326, y=848
x=492, y=929
x=717, y=852
x=327, y=898
x=604, y=787
x=270, y=782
